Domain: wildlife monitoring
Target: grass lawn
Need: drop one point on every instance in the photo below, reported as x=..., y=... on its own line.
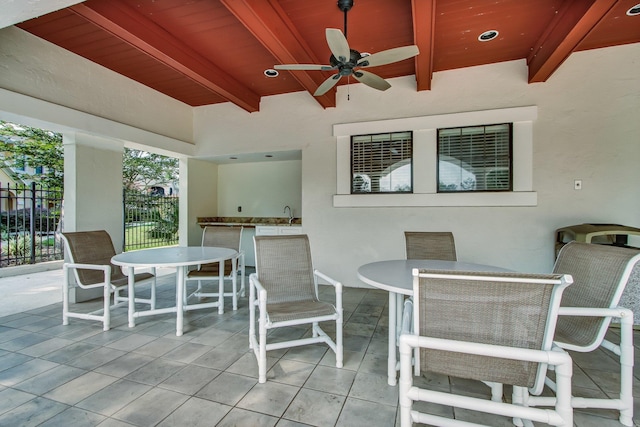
x=138, y=237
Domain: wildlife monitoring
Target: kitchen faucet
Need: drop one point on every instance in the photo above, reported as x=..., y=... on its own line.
x=290, y=214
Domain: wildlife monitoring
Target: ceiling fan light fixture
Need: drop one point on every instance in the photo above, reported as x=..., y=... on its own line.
x=634, y=11
x=271, y=73
x=488, y=35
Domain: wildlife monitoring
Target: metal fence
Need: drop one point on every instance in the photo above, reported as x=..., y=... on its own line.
x=150, y=220
x=29, y=218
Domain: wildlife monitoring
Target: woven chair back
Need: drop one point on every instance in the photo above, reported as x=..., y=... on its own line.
x=223, y=237
x=92, y=247
x=507, y=309
x=600, y=274
x=284, y=267
x=430, y=245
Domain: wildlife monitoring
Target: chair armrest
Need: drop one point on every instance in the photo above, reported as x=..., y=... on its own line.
x=254, y=281
x=332, y=282
x=88, y=266
x=619, y=312
x=328, y=279
x=261, y=302
x=554, y=357
x=76, y=266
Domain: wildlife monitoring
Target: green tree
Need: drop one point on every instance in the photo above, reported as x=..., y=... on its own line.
x=141, y=169
x=26, y=146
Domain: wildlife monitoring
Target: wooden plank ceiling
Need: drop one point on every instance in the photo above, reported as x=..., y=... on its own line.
x=205, y=52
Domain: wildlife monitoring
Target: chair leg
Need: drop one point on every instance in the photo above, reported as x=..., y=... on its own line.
x=242, y=290
x=234, y=283
x=626, y=370
x=199, y=290
x=153, y=289
x=65, y=295
x=106, y=319
x=496, y=390
x=339, y=346
x=221, y=292
x=262, y=350
x=252, y=316
x=517, y=398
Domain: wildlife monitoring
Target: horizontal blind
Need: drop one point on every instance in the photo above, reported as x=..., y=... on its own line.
x=381, y=163
x=475, y=158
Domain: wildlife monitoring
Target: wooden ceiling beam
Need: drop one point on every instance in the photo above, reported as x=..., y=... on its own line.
x=573, y=22
x=271, y=26
x=131, y=27
x=424, y=16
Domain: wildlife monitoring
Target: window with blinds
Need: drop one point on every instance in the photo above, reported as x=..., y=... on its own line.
x=475, y=158
x=382, y=163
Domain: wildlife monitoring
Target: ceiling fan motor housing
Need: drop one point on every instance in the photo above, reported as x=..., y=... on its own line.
x=346, y=67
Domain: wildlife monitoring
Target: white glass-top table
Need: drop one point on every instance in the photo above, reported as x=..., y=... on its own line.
x=395, y=277
x=180, y=257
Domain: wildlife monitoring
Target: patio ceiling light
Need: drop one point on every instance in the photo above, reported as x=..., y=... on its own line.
x=634, y=11
x=488, y=35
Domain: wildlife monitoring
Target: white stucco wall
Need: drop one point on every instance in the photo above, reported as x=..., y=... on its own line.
x=587, y=128
x=261, y=189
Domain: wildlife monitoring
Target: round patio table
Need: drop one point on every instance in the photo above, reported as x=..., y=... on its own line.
x=180, y=257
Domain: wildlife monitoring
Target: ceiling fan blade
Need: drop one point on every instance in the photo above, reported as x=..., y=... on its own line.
x=371, y=80
x=388, y=56
x=327, y=84
x=303, y=67
x=338, y=44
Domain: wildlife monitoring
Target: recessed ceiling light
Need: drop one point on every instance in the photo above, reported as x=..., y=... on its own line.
x=488, y=35
x=634, y=11
x=270, y=72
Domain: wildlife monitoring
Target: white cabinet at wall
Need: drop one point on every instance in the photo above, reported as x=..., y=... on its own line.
x=275, y=230
x=288, y=230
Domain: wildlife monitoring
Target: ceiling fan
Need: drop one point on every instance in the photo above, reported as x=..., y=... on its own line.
x=349, y=62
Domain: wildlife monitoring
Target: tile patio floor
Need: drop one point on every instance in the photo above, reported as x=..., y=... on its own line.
x=78, y=375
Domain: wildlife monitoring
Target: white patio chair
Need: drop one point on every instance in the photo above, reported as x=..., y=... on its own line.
x=600, y=274
x=490, y=327
x=90, y=254
x=224, y=237
x=430, y=245
x=284, y=289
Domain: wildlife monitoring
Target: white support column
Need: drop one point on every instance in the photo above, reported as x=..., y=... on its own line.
x=198, y=197
x=93, y=191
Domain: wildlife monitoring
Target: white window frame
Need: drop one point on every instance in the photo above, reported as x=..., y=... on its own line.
x=425, y=158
